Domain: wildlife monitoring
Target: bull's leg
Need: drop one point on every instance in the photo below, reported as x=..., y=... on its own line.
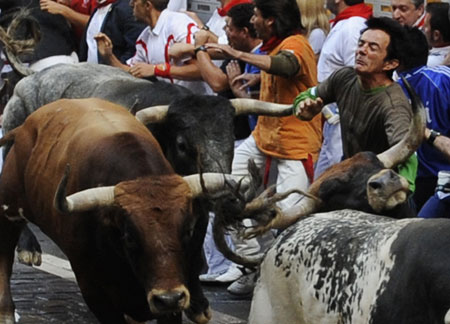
x=28, y=249
x=9, y=235
x=199, y=310
x=11, y=224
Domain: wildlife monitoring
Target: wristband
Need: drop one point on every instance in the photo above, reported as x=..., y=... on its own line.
x=163, y=70
x=205, y=27
x=200, y=48
x=432, y=137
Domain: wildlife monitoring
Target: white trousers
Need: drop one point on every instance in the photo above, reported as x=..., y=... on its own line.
x=291, y=174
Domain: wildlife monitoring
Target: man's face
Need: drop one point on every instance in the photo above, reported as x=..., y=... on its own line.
x=371, y=52
x=139, y=9
x=262, y=25
x=405, y=12
x=235, y=35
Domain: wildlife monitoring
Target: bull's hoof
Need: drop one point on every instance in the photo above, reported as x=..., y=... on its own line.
x=199, y=318
x=29, y=258
x=28, y=248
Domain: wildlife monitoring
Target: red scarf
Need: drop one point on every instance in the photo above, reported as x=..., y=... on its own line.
x=103, y=3
x=224, y=11
x=273, y=42
x=359, y=10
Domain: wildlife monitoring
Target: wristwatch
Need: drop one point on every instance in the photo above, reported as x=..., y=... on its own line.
x=200, y=48
x=205, y=27
x=432, y=137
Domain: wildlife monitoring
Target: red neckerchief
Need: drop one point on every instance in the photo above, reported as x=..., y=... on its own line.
x=104, y=3
x=223, y=11
x=359, y=10
x=273, y=42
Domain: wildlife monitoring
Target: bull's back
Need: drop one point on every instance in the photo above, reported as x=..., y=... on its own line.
x=101, y=141
x=329, y=268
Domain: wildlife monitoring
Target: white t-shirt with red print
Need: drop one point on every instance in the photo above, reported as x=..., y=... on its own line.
x=152, y=45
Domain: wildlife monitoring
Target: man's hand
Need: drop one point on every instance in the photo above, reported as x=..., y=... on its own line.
x=308, y=108
x=142, y=70
x=233, y=71
x=52, y=7
x=104, y=45
x=247, y=80
x=225, y=49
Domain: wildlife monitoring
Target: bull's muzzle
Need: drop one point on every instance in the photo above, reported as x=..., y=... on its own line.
x=168, y=301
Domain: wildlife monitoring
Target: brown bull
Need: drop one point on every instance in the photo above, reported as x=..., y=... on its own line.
x=127, y=223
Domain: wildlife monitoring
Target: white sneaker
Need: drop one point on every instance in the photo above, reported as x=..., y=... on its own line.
x=209, y=277
x=233, y=273
x=244, y=285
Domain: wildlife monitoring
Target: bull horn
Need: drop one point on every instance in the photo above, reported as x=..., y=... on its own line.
x=252, y=106
x=308, y=205
x=401, y=151
x=81, y=201
x=212, y=181
x=152, y=115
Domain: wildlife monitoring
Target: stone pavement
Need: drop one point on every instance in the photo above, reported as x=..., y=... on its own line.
x=42, y=298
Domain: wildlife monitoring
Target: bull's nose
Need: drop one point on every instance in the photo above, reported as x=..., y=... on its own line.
x=169, y=301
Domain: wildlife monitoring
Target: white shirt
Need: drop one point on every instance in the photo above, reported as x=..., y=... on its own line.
x=152, y=45
x=340, y=46
x=177, y=5
x=95, y=25
x=437, y=55
x=216, y=24
x=316, y=39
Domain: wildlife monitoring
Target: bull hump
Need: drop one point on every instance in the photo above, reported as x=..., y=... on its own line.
x=343, y=258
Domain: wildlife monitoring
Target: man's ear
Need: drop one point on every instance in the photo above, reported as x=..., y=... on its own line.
x=421, y=8
x=270, y=21
x=436, y=35
x=391, y=65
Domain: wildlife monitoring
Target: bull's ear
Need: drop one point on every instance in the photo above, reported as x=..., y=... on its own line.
x=59, y=202
x=81, y=201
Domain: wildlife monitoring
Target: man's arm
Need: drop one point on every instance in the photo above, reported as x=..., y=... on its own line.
x=75, y=18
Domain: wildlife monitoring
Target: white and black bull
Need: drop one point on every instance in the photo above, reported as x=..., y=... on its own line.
x=349, y=267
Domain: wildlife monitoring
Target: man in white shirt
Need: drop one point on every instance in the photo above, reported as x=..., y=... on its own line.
x=437, y=31
x=165, y=28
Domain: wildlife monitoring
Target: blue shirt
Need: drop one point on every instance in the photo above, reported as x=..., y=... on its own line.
x=252, y=119
x=432, y=84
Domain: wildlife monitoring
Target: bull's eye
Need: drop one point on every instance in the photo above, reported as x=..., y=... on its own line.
x=129, y=241
x=181, y=145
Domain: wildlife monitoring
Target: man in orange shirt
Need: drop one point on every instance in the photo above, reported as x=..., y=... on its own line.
x=287, y=69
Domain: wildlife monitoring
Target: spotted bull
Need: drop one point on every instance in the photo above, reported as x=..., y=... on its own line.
x=126, y=225
x=347, y=266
